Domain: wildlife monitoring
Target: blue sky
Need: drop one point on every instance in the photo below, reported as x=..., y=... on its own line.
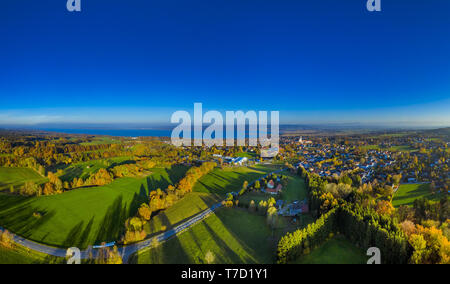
x=315, y=61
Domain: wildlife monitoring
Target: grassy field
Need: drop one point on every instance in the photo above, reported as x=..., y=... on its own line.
x=208, y=191
x=222, y=181
x=402, y=148
x=249, y=155
x=84, y=216
x=407, y=193
x=295, y=190
x=232, y=236
x=101, y=140
x=17, y=177
x=85, y=169
x=245, y=199
x=394, y=135
x=190, y=205
x=338, y=250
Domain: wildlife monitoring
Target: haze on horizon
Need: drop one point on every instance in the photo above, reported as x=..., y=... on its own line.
x=317, y=62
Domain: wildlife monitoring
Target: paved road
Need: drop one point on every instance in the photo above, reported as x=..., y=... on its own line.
x=128, y=250
x=125, y=251
x=38, y=247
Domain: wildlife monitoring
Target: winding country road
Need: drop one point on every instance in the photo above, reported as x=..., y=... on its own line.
x=127, y=250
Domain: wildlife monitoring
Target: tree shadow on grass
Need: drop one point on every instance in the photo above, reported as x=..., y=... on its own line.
x=71, y=173
x=214, y=188
x=83, y=241
x=250, y=236
x=422, y=190
x=154, y=183
x=138, y=200
x=112, y=225
x=171, y=248
x=210, y=199
x=169, y=252
x=126, y=162
x=73, y=236
x=20, y=217
x=233, y=257
x=176, y=173
x=4, y=186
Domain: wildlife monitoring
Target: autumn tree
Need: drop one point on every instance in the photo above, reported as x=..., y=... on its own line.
x=272, y=216
x=262, y=207
x=108, y=256
x=145, y=212
x=30, y=189
x=384, y=207
x=257, y=185
x=430, y=246
x=252, y=206
x=210, y=257
x=6, y=239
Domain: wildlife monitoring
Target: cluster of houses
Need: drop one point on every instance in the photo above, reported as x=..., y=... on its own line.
x=323, y=163
x=292, y=209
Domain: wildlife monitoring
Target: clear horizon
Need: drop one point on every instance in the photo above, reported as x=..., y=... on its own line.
x=316, y=62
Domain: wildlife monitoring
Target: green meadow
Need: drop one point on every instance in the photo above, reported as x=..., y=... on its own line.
x=244, y=200
x=401, y=148
x=17, y=177
x=100, y=141
x=407, y=193
x=295, y=190
x=190, y=205
x=231, y=236
x=85, y=169
x=89, y=216
x=338, y=250
x=249, y=155
x=84, y=216
x=207, y=191
x=222, y=181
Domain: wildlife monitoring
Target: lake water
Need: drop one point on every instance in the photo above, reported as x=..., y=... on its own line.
x=131, y=132
x=115, y=132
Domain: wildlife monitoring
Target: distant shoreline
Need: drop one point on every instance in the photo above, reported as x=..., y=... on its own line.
x=114, y=132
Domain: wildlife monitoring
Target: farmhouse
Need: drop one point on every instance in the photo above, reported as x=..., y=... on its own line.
x=271, y=189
